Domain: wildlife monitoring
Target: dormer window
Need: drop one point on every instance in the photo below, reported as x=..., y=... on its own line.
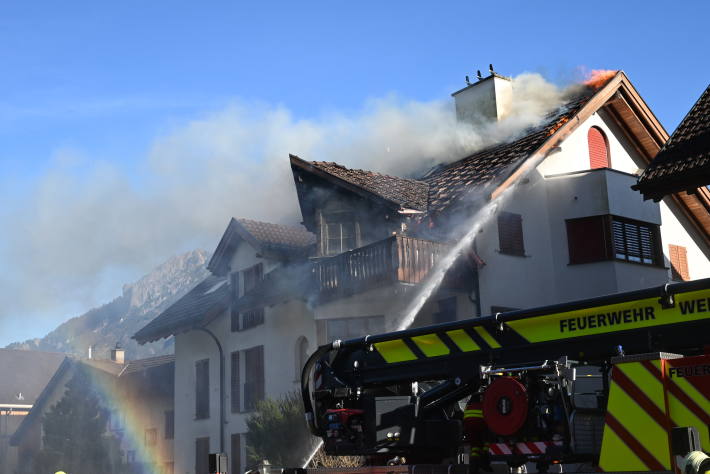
x=598, y=148
x=339, y=233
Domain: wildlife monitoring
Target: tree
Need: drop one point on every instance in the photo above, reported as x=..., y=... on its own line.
x=277, y=432
x=74, y=429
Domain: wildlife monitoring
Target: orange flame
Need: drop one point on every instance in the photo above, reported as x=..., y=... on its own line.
x=557, y=126
x=598, y=77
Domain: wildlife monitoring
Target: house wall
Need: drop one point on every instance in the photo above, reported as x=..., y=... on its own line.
x=284, y=326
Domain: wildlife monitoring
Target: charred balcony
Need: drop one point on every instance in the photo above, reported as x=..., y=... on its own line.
x=396, y=259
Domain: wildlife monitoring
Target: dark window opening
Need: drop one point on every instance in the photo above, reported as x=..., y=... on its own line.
x=339, y=233
x=253, y=377
x=252, y=276
x=202, y=389
x=510, y=234
x=447, y=311
x=236, y=452
x=202, y=455
x=169, y=424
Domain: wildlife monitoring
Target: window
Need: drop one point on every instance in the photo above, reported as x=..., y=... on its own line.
x=597, y=238
x=340, y=233
x=252, y=318
x=252, y=276
x=202, y=389
x=235, y=397
x=588, y=239
x=635, y=241
x=301, y=356
x=349, y=328
x=151, y=437
x=169, y=424
x=236, y=452
x=253, y=377
x=510, y=234
x=234, y=295
x=116, y=420
x=447, y=311
x=130, y=456
x=202, y=455
x=678, y=256
x=598, y=148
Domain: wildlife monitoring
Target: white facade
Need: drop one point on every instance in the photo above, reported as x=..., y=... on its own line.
x=288, y=329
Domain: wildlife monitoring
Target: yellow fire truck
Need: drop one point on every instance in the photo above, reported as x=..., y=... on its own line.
x=615, y=383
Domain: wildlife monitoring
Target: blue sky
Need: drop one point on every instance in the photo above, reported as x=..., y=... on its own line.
x=94, y=93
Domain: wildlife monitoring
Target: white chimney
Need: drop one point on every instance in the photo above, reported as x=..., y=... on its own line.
x=91, y=348
x=488, y=99
x=117, y=354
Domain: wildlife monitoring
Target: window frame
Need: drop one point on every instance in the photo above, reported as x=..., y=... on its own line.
x=341, y=219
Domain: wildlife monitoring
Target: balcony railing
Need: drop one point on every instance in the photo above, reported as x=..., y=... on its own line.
x=394, y=259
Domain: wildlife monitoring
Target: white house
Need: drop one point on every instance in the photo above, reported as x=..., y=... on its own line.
x=568, y=226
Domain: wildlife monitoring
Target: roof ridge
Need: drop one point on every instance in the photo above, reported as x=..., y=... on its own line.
x=365, y=171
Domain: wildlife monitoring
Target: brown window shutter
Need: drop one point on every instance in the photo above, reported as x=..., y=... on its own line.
x=235, y=383
x=202, y=389
x=236, y=452
x=598, y=149
x=202, y=453
x=588, y=240
x=260, y=373
x=678, y=256
x=510, y=233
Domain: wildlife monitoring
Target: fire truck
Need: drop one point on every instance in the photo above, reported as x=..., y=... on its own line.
x=614, y=383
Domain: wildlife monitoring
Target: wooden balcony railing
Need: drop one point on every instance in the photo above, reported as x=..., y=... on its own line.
x=394, y=259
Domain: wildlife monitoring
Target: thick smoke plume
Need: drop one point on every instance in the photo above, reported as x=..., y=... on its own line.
x=88, y=226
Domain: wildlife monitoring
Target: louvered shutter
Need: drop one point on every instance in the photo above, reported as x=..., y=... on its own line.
x=202, y=389
x=678, y=256
x=598, y=150
x=236, y=453
x=235, y=383
x=510, y=233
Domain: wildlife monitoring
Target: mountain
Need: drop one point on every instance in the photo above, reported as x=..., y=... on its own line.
x=117, y=321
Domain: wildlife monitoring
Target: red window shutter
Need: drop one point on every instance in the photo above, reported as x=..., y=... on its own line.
x=678, y=256
x=598, y=149
x=510, y=233
x=588, y=239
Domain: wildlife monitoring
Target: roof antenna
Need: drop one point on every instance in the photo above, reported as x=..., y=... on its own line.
x=490, y=68
x=478, y=73
x=468, y=82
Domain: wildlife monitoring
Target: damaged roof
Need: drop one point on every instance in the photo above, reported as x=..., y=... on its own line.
x=404, y=192
x=198, y=307
x=271, y=240
x=684, y=161
x=450, y=183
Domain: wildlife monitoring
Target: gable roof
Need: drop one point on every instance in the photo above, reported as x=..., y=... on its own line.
x=684, y=161
x=502, y=165
x=140, y=365
x=197, y=308
x=271, y=240
x=26, y=372
x=395, y=191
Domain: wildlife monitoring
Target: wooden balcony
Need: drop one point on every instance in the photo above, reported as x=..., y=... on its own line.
x=394, y=259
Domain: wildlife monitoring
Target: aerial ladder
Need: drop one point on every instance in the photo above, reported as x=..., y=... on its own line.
x=613, y=383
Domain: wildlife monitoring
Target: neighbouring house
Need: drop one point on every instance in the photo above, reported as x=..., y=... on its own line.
x=565, y=224
x=138, y=398
x=683, y=164
x=23, y=376
x=255, y=305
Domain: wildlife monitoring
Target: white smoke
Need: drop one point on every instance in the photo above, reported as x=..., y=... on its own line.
x=90, y=225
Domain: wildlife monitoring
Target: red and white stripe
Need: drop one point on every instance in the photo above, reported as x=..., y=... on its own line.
x=530, y=447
